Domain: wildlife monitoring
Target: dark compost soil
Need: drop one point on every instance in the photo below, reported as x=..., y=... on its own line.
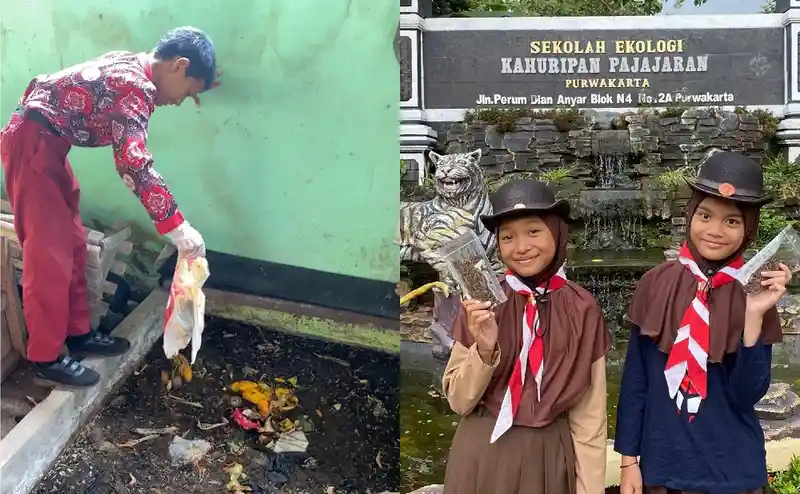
x=348, y=407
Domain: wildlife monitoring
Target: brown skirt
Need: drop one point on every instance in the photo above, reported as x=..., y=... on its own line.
x=664, y=490
x=524, y=460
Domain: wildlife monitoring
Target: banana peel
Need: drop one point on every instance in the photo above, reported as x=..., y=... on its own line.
x=180, y=373
x=182, y=367
x=258, y=394
x=424, y=288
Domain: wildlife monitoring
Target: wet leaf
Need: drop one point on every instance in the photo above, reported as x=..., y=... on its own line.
x=185, y=402
x=265, y=441
x=134, y=442
x=286, y=425
x=208, y=427
x=293, y=381
x=236, y=473
x=148, y=432
x=291, y=403
x=236, y=447
x=202, y=468
x=268, y=427
x=334, y=359
x=166, y=380
x=337, y=407
x=305, y=424
x=251, y=414
x=282, y=393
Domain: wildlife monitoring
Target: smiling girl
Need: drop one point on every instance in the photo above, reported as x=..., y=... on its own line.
x=700, y=349
x=528, y=376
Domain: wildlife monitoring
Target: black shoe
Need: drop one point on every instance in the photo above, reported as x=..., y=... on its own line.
x=98, y=343
x=65, y=372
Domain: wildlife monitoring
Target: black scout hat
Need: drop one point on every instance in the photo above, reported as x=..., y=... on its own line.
x=731, y=176
x=521, y=196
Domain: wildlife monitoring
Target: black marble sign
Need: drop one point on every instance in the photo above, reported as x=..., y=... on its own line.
x=604, y=69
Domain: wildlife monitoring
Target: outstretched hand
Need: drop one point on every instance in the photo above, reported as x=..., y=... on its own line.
x=482, y=324
x=774, y=283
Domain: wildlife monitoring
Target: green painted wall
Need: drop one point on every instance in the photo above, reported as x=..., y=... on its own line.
x=292, y=160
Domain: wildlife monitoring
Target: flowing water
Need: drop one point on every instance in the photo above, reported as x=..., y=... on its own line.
x=612, y=219
x=610, y=170
x=611, y=150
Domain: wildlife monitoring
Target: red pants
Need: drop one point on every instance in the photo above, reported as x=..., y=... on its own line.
x=44, y=195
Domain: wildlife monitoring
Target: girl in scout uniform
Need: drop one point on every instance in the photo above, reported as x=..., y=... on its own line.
x=700, y=349
x=528, y=376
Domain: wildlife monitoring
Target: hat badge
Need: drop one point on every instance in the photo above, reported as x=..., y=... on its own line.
x=726, y=189
x=519, y=205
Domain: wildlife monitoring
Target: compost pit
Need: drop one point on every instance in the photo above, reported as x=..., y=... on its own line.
x=348, y=410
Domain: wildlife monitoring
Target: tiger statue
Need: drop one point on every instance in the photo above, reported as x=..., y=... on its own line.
x=461, y=198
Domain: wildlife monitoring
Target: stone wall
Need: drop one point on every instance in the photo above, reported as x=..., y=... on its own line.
x=601, y=163
x=657, y=143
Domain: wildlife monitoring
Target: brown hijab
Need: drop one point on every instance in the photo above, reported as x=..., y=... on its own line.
x=575, y=336
x=665, y=292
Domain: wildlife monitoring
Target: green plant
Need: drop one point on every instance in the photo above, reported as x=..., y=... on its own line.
x=673, y=179
x=403, y=168
x=766, y=121
x=787, y=481
x=504, y=118
x=575, y=8
x=495, y=183
x=672, y=111
x=770, y=223
x=564, y=119
x=555, y=175
x=781, y=177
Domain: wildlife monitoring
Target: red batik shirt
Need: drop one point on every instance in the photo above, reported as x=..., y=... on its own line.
x=108, y=102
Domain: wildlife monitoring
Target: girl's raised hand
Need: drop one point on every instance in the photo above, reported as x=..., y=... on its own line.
x=774, y=283
x=482, y=324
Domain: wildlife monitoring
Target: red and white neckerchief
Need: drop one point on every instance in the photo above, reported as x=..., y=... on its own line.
x=532, y=352
x=686, y=374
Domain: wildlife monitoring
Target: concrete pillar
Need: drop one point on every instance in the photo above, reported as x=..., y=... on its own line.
x=416, y=136
x=789, y=129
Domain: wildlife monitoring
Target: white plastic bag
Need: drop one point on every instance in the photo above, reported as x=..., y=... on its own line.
x=184, y=317
x=783, y=249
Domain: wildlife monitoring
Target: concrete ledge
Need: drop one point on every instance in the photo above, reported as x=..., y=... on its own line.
x=29, y=450
x=305, y=320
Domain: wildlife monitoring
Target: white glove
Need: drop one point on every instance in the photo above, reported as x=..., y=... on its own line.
x=188, y=241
